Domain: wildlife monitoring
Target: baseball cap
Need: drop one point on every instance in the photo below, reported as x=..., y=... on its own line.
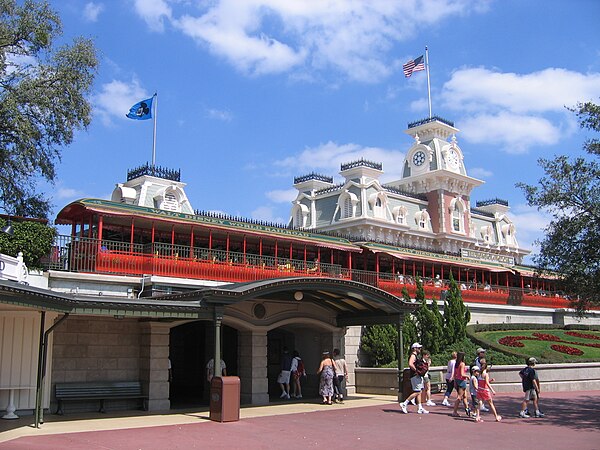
x=532, y=360
x=476, y=368
x=480, y=350
x=416, y=345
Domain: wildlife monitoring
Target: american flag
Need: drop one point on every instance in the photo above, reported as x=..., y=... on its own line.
x=413, y=66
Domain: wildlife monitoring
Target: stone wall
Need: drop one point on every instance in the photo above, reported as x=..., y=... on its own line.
x=553, y=377
x=96, y=349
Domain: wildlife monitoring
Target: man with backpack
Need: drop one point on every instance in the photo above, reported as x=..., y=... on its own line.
x=418, y=368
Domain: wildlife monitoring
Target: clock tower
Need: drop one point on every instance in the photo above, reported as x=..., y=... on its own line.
x=434, y=166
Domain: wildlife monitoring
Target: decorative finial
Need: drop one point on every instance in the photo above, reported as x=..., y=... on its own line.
x=417, y=140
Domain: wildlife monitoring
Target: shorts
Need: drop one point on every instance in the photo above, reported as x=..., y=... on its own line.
x=417, y=383
x=460, y=384
x=284, y=377
x=426, y=378
x=530, y=394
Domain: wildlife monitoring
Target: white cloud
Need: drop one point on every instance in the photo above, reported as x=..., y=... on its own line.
x=529, y=223
x=116, y=98
x=282, y=195
x=480, y=172
x=548, y=90
x=267, y=213
x=218, y=114
x=328, y=157
x=273, y=36
x=63, y=193
x=92, y=10
x=514, y=132
x=517, y=111
x=154, y=12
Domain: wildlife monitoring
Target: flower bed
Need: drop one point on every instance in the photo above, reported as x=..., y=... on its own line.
x=513, y=341
x=547, y=337
x=566, y=349
x=582, y=335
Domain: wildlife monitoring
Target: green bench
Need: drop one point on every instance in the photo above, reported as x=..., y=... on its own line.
x=100, y=391
x=437, y=378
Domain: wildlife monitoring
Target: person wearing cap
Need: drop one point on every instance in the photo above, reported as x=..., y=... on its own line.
x=531, y=388
x=473, y=385
x=417, y=382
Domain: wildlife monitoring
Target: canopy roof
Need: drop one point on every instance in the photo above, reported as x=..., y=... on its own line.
x=408, y=253
x=75, y=210
x=352, y=303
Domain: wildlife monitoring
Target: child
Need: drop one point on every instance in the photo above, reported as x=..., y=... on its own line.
x=473, y=385
x=427, y=380
x=485, y=390
x=449, y=379
x=531, y=388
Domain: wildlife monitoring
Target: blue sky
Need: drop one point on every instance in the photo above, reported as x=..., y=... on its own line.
x=254, y=92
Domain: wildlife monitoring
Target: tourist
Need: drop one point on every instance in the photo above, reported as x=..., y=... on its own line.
x=210, y=366
x=327, y=372
x=427, y=379
x=473, y=385
x=479, y=360
x=461, y=375
x=449, y=379
x=485, y=390
x=531, y=388
x=341, y=375
x=298, y=372
x=416, y=381
x=284, y=375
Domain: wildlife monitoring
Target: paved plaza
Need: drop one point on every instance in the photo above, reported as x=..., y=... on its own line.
x=572, y=422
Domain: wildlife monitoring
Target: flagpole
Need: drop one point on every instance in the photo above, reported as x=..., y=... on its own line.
x=154, y=131
x=428, y=82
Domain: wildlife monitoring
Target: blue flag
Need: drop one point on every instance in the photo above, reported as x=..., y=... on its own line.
x=141, y=110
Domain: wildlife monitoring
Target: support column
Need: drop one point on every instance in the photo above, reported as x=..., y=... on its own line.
x=252, y=355
x=351, y=355
x=154, y=365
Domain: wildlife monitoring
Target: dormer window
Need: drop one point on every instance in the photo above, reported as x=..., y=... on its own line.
x=399, y=214
x=169, y=199
x=486, y=234
x=300, y=215
x=347, y=205
x=422, y=220
x=378, y=202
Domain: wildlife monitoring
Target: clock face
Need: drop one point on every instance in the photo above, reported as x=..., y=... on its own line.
x=419, y=158
x=453, y=159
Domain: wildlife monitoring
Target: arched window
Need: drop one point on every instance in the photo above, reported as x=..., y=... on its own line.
x=169, y=199
x=399, y=214
x=457, y=211
x=422, y=220
x=486, y=234
x=509, y=234
x=300, y=215
x=347, y=204
x=378, y=202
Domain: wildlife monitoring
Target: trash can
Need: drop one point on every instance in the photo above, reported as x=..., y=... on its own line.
x=225, y=399
x=406, y=386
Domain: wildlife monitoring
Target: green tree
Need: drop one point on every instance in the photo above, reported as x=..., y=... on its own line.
x=34, y=239
x=379, y=343
x=42, y=101
x=456, y=315
x=570, y=192
x=437, y=328
x=409, y=333
x=429, y=329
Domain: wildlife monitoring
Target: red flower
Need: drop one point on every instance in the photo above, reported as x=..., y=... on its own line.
x=566, y=349
x=547, y=337
x=513, y=341
x=582, y=335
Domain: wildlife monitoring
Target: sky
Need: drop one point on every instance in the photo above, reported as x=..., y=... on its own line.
x=252, y=93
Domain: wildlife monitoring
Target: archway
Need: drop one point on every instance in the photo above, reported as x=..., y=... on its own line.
x=190, y=349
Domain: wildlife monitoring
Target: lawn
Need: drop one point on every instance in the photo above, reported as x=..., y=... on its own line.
x=578, y=345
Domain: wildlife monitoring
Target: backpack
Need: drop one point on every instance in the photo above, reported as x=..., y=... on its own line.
x=300, y=369
x=421, y=366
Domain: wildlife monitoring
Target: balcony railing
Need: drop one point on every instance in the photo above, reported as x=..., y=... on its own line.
x=78, y=254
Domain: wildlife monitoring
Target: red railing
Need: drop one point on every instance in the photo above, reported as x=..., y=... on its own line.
x=93, y=256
